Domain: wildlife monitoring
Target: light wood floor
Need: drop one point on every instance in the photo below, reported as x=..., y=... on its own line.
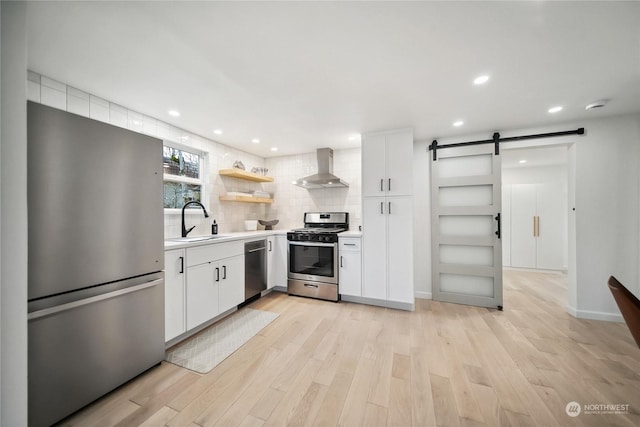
x=327, y=364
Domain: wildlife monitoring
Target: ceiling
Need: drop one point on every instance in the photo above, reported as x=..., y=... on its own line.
x=304, y=75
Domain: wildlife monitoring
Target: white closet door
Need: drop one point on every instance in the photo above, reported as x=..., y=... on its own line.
x=550, y=202
x=523, y=212
x=466, y=204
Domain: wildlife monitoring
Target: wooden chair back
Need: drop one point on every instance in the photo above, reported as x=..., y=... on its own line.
x=629, y=306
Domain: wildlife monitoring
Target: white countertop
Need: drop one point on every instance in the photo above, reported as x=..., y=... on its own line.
x=224, y=237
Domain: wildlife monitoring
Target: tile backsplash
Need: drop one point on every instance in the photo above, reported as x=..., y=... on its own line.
x=290, y=201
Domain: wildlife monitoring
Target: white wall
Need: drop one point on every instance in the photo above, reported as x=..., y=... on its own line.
x=604, y=179
x=422, y=219
x=13, y=216
x=607, y=213
x=291, y=201
x=230, y=216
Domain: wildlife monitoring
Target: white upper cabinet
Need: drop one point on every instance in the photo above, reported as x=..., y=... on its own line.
x=400, y=163
x=387, y=163
x=374, y=167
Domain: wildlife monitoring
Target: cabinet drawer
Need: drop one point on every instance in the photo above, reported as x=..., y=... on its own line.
x=213, y=252
x=349, y=244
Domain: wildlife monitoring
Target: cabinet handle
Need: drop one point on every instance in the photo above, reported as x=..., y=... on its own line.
x=224, y=272
x=389, y=186
x=534, y=226
x=341, y=261
x=270, y=247
x=381, y=208
x=389, y=208
x=181, y=265
x=381, y=184
x=217, y=274
x=349, y=244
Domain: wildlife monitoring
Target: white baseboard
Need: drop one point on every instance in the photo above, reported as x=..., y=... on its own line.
x=595, y=315
x=423, y=295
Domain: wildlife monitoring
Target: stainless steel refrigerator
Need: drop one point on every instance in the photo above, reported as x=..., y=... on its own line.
x=96, y=255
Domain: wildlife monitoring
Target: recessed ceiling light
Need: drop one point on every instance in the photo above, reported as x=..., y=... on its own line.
x=354, y=137
x=174, y=113
x=274, y=148
x=184, y=138
x=480, y=80
x=217, y=132
x=523, y=161
x=458, y=123
x=255, y=141
x=555, y=109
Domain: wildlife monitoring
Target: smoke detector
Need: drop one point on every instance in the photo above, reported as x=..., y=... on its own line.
x=597, y=104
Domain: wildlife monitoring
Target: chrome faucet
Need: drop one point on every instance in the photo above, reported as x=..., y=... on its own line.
x=193, y=202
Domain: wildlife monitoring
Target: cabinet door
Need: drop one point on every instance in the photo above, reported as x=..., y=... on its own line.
x=551, y=241
x=280, y=259
x=374, y=172
x=271, y=262
x=231, y=282
x=399, y=181
x=374, y=248
x=400, y=249
x=350, y=274
x=174, y=323
x=523, y=211
x=202, y=294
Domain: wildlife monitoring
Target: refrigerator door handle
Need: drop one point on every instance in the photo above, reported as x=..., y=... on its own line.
x=64, y=307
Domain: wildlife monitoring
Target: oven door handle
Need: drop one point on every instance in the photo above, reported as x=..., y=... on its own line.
x=326, y=245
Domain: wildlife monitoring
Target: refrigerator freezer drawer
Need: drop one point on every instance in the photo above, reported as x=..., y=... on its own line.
x=80, y=351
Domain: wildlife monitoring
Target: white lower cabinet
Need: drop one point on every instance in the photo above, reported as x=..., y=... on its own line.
x=277, y=261
x=231, y=284
x=215, y=280
x=202, y=294
x=350, y=266
x=174, y=293
x=387, y=249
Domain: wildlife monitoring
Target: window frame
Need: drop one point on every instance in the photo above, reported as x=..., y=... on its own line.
x=203, y=181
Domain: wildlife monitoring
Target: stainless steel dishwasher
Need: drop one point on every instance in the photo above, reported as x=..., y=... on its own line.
x=255, y=268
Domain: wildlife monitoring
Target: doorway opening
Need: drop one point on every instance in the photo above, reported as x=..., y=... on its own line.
x=535, y=211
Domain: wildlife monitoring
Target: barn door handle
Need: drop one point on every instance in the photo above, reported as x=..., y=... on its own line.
x=498, y=232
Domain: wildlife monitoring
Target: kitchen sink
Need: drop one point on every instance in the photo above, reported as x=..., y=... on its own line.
x=195, y=238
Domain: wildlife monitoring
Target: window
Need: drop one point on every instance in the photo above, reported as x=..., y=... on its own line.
x=183, y=177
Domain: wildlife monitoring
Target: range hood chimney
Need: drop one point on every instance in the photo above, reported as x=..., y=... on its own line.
x=325, y=177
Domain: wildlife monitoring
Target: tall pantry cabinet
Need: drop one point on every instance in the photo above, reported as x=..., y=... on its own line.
x=387, y=216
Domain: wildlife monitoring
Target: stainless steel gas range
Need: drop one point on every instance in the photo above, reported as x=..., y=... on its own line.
x=313, y=255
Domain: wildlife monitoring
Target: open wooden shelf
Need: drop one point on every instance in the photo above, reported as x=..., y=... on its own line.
x=245, y=199
x=248, y=176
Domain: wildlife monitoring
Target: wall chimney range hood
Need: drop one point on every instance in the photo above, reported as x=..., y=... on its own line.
x=325, y=177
